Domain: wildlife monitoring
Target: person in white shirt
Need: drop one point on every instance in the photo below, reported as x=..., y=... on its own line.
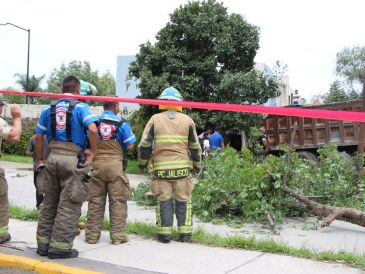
x=296, y=98
x=206, y=145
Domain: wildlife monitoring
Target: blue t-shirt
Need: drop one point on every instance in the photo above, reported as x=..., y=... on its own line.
x=124, y=135
x=81, y=118
x=216, y=140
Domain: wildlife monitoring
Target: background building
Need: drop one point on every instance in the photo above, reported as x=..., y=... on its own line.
x=279, y=72
x=126, y=88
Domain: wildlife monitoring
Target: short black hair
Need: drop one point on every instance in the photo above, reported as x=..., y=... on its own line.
x=216, y=128
x=109, y=105
x=70, y=84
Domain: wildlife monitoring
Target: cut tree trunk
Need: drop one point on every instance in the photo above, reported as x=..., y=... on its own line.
x=330, y=213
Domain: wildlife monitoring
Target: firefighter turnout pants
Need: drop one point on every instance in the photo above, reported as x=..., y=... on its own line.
x=65, y=191
x=4, y=206
x=108, y=180
x=181, y=189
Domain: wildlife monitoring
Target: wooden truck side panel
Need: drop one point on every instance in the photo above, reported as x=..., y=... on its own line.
x=313, y=133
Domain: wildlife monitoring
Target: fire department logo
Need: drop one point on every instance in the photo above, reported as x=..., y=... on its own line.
x=61, y=118
x=106, y=131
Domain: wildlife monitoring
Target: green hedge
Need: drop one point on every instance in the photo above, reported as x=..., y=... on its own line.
x=28, y=125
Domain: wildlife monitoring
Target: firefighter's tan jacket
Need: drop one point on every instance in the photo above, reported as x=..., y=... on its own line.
x=170, y=145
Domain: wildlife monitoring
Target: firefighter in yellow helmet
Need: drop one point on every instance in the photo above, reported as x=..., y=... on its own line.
x=171, y=150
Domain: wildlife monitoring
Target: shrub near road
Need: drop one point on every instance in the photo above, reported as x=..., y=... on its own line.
x=28, y=126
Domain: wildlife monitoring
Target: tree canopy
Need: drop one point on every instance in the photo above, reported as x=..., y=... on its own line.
x=34, y=82
x=104, y=83
x=351, y=66
x=34, y=85
x=336, y=94
x=208, y=55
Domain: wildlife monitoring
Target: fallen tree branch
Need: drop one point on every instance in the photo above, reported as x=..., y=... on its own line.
x=270, y=219
x=330, y=213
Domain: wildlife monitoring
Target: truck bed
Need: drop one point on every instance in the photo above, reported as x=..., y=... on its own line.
x=313, y=133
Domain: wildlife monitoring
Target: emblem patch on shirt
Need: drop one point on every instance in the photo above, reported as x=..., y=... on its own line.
x=106, y=131
x=61, y=118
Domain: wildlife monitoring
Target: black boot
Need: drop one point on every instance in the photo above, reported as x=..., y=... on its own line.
x=43, y=251
x=184, y=238
x=164, y=238
x=73, y=253
x=5, y=239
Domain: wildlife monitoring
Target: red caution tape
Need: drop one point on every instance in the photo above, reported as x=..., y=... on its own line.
x=298, y=112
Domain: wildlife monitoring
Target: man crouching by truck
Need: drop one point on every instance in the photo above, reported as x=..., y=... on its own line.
x=108, y=177
x=63, y=176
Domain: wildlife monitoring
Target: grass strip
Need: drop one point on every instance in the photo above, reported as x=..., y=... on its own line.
x=22, y=213
x=202, y=237
x=16, y=158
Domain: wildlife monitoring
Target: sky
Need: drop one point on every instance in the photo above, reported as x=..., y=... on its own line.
x=305, y=35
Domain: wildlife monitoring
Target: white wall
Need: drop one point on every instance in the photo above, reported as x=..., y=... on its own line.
x=33, y=111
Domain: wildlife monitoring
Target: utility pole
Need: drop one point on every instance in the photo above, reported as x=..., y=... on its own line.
x=27, y=30
x=26, y=97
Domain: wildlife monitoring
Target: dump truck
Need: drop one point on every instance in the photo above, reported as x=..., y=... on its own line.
x=313, y=133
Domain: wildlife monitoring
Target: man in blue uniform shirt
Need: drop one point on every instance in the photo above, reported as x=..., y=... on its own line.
x=108, y=178
x=64, y=123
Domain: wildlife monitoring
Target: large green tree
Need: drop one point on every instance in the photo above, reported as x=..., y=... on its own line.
x=105, y=83
x=208, y=54
x=351, y=66
x=33, y=85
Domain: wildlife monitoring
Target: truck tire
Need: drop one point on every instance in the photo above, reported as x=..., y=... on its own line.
x=347, y=157
x=307, y=155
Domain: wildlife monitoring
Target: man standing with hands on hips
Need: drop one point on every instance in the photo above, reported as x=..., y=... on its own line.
x=12, y=135
x=65, y=184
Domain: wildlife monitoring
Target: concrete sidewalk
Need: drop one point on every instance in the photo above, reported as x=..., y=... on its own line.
x=141, y=255
x=175, y=257
x=295, y=232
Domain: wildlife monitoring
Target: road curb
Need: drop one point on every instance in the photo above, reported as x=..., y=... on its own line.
x=25, y=263
x=18, y=262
